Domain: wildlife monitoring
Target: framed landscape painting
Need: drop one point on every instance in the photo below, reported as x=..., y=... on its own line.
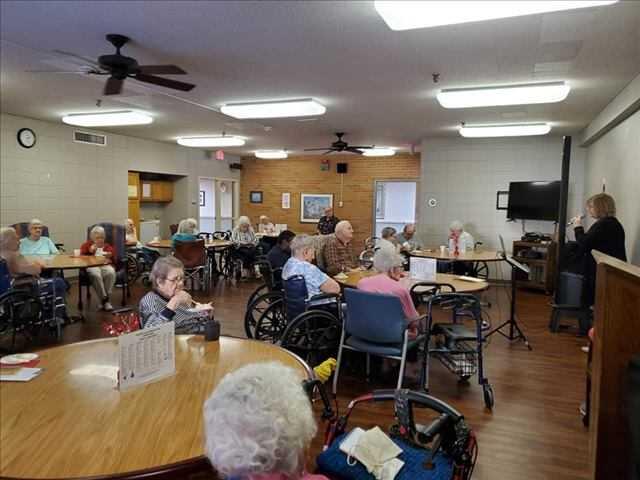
x=312, y=206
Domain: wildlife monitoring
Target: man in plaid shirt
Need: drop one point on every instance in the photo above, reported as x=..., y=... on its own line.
x=338, y=253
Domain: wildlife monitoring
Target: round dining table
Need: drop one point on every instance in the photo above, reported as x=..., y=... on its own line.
x=460, y=283
x=67, y=262
x=466, y=256
x=72, y=422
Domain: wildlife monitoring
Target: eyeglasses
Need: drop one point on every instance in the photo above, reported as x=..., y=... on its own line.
x=178, y=279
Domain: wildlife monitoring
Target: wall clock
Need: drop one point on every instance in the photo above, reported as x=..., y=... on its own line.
x=26, y=137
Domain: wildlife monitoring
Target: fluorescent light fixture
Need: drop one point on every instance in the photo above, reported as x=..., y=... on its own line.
x=519, y=130
x=219, y=141
x=407, y=15
x=379, y=152
x=526, y=94
x=107, y=119
x=271, y=154
x=274, y=109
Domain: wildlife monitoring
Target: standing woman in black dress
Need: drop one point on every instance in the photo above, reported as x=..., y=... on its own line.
x=605, y=235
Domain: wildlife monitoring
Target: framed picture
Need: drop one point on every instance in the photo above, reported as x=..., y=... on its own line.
x=255, y=197
x=380, y=200
x=202, y=198
x=312, y=206
x=502, y=199
x=286, y=200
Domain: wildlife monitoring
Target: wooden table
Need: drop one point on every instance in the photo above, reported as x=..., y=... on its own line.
x=71, y=422
x=66, y=262
x=207, y=244
x=461, y=286
x=467, y=256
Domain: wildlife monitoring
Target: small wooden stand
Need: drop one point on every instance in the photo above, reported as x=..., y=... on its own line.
x=543, y=270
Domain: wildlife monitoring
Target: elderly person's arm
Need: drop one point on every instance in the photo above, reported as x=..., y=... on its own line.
x=18, y=265
x=330, y=286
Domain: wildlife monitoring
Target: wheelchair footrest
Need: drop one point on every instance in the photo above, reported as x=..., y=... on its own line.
x=454, y=332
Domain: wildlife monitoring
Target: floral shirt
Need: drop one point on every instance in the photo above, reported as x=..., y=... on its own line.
x=327, y=225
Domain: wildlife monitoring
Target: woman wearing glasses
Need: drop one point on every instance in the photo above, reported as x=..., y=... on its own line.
x=169, y=302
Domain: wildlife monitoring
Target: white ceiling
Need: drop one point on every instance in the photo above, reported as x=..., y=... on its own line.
x=375, y=83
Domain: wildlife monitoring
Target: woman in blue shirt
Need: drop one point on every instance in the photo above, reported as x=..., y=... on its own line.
x=35, y=243
x=187, y=231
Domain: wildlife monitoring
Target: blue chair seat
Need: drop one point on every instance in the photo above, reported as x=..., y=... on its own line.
x=388, y=349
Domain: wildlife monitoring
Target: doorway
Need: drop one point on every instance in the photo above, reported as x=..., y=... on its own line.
x=218, y=199
x=394, y=204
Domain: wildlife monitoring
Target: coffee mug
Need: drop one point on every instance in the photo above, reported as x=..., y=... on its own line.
x=211, y=330
x=76, y=252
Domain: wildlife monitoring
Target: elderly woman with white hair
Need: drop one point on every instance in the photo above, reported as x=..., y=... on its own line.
x=103, y=277
x=259, y=424
x=35, y=243
x=265, y=226
x=187, y=231
x=244, y=244
x=459, y=239
x=167, y=301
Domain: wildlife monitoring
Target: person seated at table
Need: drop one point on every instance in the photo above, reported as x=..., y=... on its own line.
x=281, y=251
x=457, y=235
x=132, y=234
x=258, y=424
x=338, y=251
x=35, y=243
x=327, y=223
x=302, y=254
x=390, y=267
x=168, y=301
x=265, y=226
x=244, y=244
x=149, y=255
x=407, y=239
x=388, y=240
x=102, y=277
x=187, y=231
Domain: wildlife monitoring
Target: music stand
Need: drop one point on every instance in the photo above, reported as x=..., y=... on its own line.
x=515, y=333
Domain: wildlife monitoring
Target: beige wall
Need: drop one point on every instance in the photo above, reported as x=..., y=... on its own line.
x=70, y=185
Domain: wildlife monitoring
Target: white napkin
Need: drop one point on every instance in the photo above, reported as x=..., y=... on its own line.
x=375, y=450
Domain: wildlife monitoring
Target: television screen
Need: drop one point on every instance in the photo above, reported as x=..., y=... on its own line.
x=534, y=200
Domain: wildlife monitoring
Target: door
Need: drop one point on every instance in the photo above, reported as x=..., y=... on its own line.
x=394, y=204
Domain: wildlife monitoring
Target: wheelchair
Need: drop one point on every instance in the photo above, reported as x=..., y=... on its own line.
x=310, y=328
x=139, y=264
x=263, y=295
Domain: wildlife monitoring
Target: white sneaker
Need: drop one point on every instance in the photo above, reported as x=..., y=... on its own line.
x=107, y=307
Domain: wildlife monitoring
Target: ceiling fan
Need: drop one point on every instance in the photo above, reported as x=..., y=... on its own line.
x=120, y=67
x=341, y=146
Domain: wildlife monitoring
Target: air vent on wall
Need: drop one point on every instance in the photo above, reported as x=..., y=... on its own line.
x=90, y=138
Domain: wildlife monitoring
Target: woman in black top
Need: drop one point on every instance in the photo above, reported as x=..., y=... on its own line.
x=605, y=235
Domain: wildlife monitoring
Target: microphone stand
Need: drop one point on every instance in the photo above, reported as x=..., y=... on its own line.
x=515, y=333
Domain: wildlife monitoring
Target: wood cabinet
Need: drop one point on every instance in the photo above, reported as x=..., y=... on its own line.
x=134, y=185
x=540, y=257
x=134, y=212
x=156, y=191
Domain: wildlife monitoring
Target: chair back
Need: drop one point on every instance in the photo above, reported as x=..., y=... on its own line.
x=220, y=235
x=173, y=228
x=192, y=254
x=116, y=236
x=5, y=277
x=22, y=229
x=272, y=278
x=295, y=296
x=374, y=317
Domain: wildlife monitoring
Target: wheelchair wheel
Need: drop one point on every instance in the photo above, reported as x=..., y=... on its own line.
x=487, y=392
x=272, y=322
x=261, y=290
x=20, y=313
x=313, y=335
x=256, y=309
x=133, y=268
x=480, y=270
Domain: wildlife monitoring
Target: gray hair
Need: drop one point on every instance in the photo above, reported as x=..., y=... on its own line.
x=244, y=220
x=385, y=260
x=97, y=230
x=300, y=243
x=341, y=225
x=249, y=430
x=6, y=234
x=456, y=225
x=409, y=225
x=162, y=267
x=188, y=225
x=388, y=232
x=35, y=221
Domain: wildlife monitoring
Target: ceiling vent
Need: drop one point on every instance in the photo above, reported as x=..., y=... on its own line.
x=90, y=138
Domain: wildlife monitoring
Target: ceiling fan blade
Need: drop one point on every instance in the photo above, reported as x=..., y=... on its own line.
x=164, y=82
x=113, y=86
x=161, y=70
x=88, y=60
x=79, y=72
x=360, y=147
x=354, y=150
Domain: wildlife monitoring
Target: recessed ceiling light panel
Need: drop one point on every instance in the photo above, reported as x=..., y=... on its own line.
x=271, y=154
x=219, y=141
x=379, y=152
x=513, y=130
x=274, y=109
x=527, y=94
x=407, y=15
x=107, y=119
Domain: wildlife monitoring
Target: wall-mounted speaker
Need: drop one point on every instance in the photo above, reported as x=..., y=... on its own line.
x=342, y=167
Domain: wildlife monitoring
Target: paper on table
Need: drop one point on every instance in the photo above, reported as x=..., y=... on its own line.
x=20, y=375
x=423, y=269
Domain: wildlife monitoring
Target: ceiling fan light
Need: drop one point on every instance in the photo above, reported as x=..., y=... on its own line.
x=217, y=141
x=526, y=94
x=274, y=109
x=107, y=119
x=514, y=130
x=407, y=15
x=271, y=154
x=379, y=152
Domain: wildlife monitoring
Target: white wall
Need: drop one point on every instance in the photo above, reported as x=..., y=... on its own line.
x=70, y=186
x=399, y=206
x=463, y=175
x=208, y=212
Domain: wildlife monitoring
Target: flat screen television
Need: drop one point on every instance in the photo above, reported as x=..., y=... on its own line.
x=533, y=201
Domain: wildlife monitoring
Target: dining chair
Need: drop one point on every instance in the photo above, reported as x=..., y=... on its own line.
x=375, y=324
x=193, y=255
